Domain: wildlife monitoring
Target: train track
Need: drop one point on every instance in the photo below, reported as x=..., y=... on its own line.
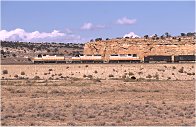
x=91, y=63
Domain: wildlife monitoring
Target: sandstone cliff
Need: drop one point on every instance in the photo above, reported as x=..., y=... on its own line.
x=142, y=47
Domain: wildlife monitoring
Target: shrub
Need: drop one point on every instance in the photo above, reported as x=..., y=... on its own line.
x=181, y=70
x=50, y=70
x=97, y=80
x=156, y=76
x=130, y=73
x=16, y=76
x=22, y=73
x=111, y=75
x=55, y=91
x=191, y=73
x=90, y=76
x=74, y=78
x=86, y=66
x=133, y=78
x=84, y=76
x=95, y=72
x=141, y=68
x=91, y=116
x=20, y=91
x=149, y=76
x=174, y=67
x=161, y=70
x=62, y=77
x=36, y=77
x=156, y=90
x=127, y=79
x=50, y=78
x=168, y=78
x=71, y=124
x=5, y=71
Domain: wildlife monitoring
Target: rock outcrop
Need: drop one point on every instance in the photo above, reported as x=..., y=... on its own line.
x=142, y=47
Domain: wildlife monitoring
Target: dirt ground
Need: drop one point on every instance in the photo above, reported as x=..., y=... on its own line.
x=169, y=71
x=97, y=102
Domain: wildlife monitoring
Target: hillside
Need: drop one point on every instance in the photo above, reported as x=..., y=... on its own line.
x=19, y=52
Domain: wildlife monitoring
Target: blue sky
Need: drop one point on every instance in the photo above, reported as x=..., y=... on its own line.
x=81, y=21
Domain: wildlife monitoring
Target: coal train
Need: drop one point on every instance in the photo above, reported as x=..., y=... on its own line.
x=113, y=58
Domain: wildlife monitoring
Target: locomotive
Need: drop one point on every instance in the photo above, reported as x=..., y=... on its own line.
x=113, y=58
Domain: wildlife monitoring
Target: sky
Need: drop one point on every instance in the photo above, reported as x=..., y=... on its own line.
x=81, y=21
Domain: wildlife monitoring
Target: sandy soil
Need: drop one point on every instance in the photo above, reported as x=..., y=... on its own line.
x=184, y=71
x=97, y=102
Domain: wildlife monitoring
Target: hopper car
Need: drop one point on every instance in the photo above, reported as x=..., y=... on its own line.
x=158, y=58
x=184, y=58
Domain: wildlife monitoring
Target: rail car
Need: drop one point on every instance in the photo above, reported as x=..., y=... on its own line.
x=67, y=59
x=113, y=58
x=157, y=58
x=87, y=58
x=185, y=58
x=97, y=58
x=124, y=58
x=48, y=59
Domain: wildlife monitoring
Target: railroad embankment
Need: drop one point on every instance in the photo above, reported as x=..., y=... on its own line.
x=126, y=72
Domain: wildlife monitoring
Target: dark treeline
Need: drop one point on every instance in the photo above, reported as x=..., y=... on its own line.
x=155, y=37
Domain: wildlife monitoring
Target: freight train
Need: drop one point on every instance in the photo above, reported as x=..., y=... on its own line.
x=113, y=58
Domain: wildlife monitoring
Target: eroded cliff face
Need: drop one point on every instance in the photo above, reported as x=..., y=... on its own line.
x=142, y=47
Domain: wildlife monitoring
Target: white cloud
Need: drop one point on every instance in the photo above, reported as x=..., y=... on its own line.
x=68, y=31
x=87, y=26
x=36, y=36
x=91, y=26
x=126, y=21
x=131, y=35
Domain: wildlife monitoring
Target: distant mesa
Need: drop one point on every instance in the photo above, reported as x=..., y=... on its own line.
x=164, y=45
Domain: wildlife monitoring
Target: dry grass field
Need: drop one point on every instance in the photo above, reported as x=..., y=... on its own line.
x=184, y=71
x=97, y=102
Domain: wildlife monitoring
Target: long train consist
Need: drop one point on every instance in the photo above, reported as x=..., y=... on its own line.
x=113, y=58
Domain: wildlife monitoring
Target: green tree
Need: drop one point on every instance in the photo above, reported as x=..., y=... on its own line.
x=183, y=34
x=146, y=36
x=167, y=34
